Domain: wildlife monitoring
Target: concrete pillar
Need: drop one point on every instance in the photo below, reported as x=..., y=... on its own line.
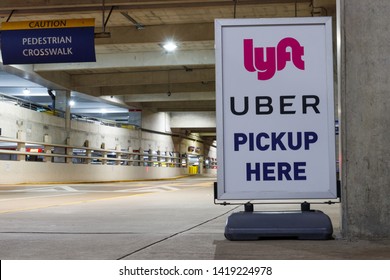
x=118, y=154
x=201, y=165
x=88, y=152
x=159, y=158
x=69, y=151
x=130, y=156
x=47, y=147
x=104, y=153
x=150, y=157
x=62, y=104
x=21, y=146
x=365, y=118
x=140, y=157
x=166, y=159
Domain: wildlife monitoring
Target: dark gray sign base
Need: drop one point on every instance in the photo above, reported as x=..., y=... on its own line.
x=308, y=225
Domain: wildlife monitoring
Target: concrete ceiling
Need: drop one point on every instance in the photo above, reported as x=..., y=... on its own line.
x=131, y=65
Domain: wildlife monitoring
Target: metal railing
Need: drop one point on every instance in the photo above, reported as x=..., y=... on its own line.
x=15, y=149
x=20, y=150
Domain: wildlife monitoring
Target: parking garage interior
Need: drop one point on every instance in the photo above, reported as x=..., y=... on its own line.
x=116, y=159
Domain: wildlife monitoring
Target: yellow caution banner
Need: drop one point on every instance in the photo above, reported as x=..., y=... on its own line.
x=46, y=24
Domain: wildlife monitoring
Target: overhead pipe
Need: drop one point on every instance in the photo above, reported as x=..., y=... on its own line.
x=10, y=15
x=138, y=26
x=235, y=8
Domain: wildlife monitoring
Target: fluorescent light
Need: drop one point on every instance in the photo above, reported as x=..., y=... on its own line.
x=26, y=91
x=170, y=46
x=72, y=103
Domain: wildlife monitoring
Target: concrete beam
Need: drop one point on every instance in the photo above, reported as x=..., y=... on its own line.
x=193, y=120
x=45, y=6
x=139, y=59
x=158, y=34
x=175, y=96
x=181, y=106
x=60, y=78
x=26, y=71
x=148, y=89
x=143, y=78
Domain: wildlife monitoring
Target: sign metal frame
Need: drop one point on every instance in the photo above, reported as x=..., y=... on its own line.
x=320, y=184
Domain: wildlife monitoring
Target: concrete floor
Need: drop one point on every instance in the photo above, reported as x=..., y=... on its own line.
x=173, y=219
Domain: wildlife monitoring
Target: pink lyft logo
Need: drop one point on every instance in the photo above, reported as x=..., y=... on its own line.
x=254, y=59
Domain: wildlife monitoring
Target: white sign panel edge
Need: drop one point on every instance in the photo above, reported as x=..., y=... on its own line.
x=331, y=190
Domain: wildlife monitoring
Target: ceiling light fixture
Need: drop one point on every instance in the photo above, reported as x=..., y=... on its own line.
x=26, y=91
x=72, y=103
x=170, y=46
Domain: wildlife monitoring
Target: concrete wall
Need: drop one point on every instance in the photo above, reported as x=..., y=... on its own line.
x=194, y=119
x=36, y=125
x=17, y=172
x=158, y=121
x=365, y=119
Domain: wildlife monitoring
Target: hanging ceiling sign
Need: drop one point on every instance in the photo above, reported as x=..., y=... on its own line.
x=48, y=41
x=275, y=109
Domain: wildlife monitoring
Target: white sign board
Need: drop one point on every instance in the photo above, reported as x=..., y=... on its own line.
x=275, y=108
